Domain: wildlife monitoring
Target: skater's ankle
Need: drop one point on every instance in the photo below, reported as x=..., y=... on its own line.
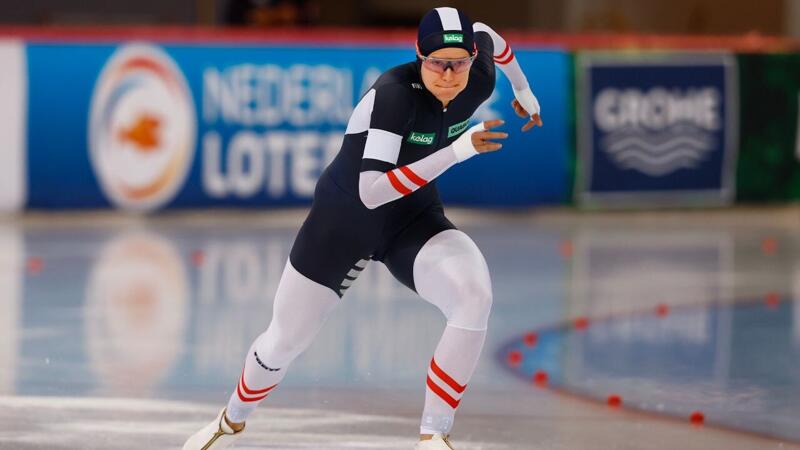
x=236, y=427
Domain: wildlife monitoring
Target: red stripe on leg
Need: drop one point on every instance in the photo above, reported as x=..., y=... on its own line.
x=442, y=394
x=248, y=400
x=249, y=391
x=396, y=184
x=447, y=378
x=416, y=179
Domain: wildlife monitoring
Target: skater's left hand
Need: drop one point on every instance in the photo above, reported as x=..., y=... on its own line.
x=535, y=119
x=525, y=104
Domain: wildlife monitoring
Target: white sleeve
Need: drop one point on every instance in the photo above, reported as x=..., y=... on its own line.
x=376, y=188
x=508, y=64
x=504, y=57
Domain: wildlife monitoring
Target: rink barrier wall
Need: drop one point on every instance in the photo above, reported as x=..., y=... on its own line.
x=144, y=126
x=383, y=37
x=202, y=140
x=769, y=157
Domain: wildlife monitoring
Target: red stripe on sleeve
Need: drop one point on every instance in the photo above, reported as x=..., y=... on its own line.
x=442, y=394
x=505, y=61
x=503, y=54
x=416, y=179
x=446, y=378
x=396, y=184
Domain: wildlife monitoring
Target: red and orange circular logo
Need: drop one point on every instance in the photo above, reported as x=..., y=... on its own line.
x=142, y=128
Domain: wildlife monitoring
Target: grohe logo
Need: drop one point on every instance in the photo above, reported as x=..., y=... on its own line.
x=660, y=130
x=142, y=128
x=453, y=37
x=421, y=138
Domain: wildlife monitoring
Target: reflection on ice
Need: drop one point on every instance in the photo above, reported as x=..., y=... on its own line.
x=166, y=308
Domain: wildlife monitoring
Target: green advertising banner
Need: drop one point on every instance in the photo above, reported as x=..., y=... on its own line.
x=769, y=152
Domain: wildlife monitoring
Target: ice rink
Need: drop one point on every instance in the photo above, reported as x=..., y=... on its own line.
x=124, y=332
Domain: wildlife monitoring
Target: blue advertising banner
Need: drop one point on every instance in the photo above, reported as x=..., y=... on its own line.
x=143, y=127
x=656, y=129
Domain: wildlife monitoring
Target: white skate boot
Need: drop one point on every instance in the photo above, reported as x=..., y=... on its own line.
x=214, y=436
x=437, y=442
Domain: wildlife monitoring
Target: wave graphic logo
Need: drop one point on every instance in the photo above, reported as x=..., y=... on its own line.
x=142, y=128
x=659, y=131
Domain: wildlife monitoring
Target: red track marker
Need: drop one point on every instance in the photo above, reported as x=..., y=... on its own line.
x=769, y=246
x=531, y=339
x=514, y=358
x=198, y=258
x=772, y=300
x=566, y=249
x=614, y=401
x=581, y=323
x=697, y=418
x=34, y=265
x=540, y=378
x=662, y=310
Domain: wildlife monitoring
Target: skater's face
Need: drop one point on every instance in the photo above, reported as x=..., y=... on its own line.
x=445, y=73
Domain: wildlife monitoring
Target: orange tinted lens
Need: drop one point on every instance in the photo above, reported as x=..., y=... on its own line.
x=461, y=65
x=441, y=65
x=436, y=65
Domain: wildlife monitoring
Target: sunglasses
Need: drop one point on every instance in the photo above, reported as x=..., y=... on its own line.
x=440, y=65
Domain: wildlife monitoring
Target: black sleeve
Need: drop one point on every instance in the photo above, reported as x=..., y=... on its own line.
x=483, y=70
x=393, y=110
x=484, y=63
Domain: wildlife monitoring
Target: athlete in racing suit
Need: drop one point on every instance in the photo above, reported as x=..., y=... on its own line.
x=378, y=201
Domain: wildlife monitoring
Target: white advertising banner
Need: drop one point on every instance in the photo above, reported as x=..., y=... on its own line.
x=13, y=114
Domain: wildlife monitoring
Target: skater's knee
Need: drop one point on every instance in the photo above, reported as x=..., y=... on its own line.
x=451, y=273
x=472, y=305
x=465, y=298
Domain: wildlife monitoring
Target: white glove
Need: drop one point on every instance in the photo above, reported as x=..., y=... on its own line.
x=528, y=101
x=463, y=145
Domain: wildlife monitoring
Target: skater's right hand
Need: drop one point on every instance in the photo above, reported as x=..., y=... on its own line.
x=479, y=140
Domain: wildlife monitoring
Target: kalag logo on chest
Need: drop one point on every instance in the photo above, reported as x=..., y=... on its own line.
x=421, y=138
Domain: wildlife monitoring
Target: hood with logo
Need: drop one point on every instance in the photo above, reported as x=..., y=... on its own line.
x=445, y=27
